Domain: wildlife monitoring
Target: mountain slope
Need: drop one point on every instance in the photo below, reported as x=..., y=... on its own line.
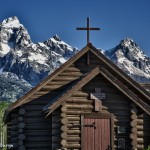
x=131, y=59
x=29, y=61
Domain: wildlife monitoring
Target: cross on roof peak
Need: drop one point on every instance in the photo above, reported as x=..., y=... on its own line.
x=88, y=28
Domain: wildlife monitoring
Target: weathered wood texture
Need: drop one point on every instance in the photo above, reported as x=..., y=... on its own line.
x=80, y=103
x=62, y=128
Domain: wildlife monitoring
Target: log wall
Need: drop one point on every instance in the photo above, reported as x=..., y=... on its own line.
x=80, y=103
x=62, y=129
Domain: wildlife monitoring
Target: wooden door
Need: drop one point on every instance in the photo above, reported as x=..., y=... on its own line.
x=96, y=134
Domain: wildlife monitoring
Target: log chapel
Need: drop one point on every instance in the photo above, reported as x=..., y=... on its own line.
x=86, y=104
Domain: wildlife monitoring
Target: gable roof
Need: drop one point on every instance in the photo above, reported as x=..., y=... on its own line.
x=80, y=83
x=98, y=70
x=110, y=66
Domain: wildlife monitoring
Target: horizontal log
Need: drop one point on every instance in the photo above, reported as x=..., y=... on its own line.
x=64, y=121
x=63, y=115
x=81, y=107
x=21, y=137
x=64, y=128
x=38, y=133
x=38, y=139
x=72, y=69
x=48, y=88
x=140, y=121
x=73, y=146
x=133, y=123
x=22, y=111
x=73, y=122
x=64, y=135
x=65, y=78
x=134, y=116
x=22, y=147
x=140, y=147
x=140, y=140
x=72, y=112
x=80, y=94
x=21, y=125
x=74, y=132
x=20, y=142
x=133, y=136
x=63, y=143
x=38, y=145
x=116, y=120
x=77, y=73
x=141, y=116
x=34, y=113
x=134, y=130
x=134, y=144
x=73, y=118
x=73, y=138
x=73, y=115
x=38, y=126
x=140, y=127
x=143, y=134
x=58, y=83
x=64, y=109
x=20, y=118
x=37, y=120
x=80, y=102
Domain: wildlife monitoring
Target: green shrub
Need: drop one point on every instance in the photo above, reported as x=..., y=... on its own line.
x=148, y=148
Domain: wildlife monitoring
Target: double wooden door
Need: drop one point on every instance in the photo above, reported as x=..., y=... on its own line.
x=96, y=133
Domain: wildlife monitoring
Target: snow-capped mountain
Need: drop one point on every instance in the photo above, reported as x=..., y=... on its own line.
x=23, y=64
x=131, y=59
x=29, y=61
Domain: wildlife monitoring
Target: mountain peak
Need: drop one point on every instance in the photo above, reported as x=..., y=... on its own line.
x=56, y=37
x=11, y=22
x=128, y=42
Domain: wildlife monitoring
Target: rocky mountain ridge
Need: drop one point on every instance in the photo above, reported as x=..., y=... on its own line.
x=131, y=59
x=23, y=64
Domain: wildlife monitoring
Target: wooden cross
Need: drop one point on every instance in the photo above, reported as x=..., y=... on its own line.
x=97, y=97
x=88, y=29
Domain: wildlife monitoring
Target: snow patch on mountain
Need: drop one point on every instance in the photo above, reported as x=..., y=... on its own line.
x=29, y=62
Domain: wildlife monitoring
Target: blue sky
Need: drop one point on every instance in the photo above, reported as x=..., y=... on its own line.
x=117, y=19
